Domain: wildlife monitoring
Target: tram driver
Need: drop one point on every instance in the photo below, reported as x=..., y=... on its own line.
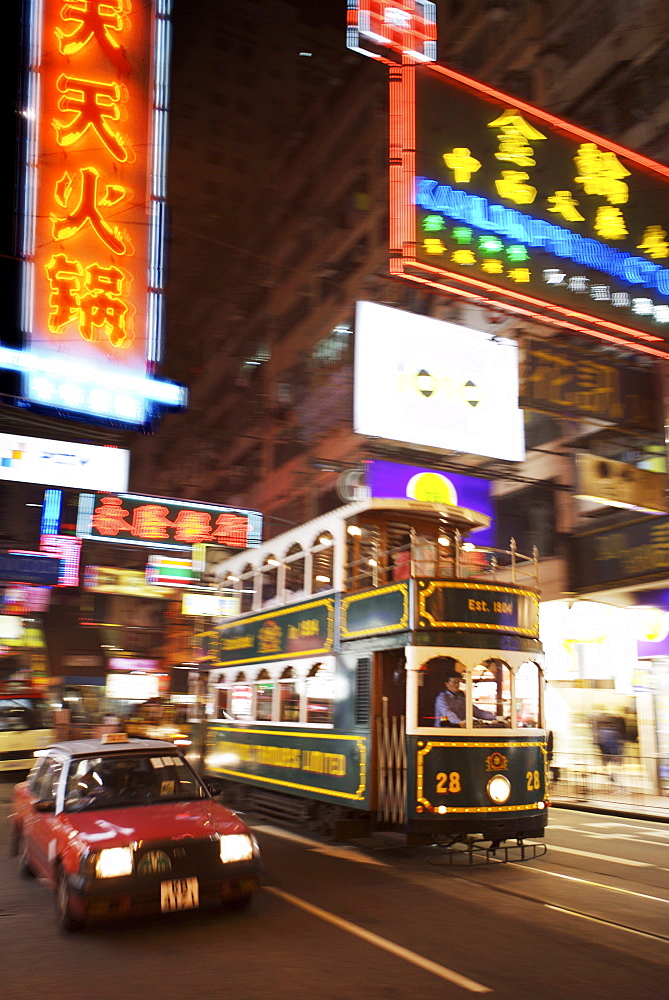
x=450, y=704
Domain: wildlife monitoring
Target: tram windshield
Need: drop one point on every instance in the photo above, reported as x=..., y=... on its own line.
x=490, y=693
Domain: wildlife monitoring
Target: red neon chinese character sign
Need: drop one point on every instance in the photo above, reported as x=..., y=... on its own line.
x=91, y=218
x=148, y=519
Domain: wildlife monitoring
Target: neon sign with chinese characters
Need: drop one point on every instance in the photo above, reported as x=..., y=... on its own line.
x=94, y=204
x=388, y=29
x=494, y=199
x=165, y=524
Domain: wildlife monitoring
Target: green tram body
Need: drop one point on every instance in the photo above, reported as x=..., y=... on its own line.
x=380, y=761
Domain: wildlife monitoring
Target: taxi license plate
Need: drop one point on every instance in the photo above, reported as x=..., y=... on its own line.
x=179, y=894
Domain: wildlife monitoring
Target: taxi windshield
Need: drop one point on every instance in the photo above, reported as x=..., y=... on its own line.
x=115, y=780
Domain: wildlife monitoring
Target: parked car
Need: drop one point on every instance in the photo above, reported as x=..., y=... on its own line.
x=120, y=826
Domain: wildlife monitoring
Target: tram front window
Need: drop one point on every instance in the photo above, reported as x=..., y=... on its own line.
x=528, y=684
x=491, y=688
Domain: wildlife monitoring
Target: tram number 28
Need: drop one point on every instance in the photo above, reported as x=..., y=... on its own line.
x=448, y=781
x=533, y=781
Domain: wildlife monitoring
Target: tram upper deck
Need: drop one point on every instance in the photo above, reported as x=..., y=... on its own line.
x=368, y=544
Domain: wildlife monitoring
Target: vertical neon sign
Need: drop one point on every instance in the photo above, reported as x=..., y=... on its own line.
x=94, y=207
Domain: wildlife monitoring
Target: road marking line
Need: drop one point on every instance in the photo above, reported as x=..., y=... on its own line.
x=379, y=942
x=349, y=854
x=276, y=831
x=343, y=851
x=600, y=857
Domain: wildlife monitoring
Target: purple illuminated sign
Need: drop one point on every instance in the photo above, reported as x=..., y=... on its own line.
x=389, y=479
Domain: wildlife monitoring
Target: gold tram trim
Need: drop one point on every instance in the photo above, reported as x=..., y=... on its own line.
x=487, y=746
x=358, y=795
x=269, y=658
x=362, y=746
x=467, y=809
x=327, y=603
x=483, y=809
x=400, y=626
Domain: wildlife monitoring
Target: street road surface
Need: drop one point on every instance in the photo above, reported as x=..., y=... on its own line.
x=373, y=919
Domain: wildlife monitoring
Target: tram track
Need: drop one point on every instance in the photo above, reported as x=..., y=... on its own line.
x=572, y=911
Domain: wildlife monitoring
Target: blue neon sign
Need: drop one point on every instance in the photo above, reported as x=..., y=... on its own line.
x=482, y=214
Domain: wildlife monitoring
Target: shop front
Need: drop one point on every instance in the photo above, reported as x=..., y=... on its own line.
x=607, y=665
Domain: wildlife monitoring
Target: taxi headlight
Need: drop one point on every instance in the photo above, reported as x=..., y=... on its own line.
x=113, y=861
x=236, y=847
x=498, y=789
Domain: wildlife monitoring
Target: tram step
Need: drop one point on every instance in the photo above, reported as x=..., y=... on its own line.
x=279, y=807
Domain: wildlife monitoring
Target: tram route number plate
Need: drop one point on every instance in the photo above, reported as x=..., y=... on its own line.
x=179, y=894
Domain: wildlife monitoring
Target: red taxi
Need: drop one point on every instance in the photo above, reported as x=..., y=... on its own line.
x=120, y=826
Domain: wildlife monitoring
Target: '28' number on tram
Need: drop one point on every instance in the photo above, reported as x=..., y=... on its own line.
x=448, y=781
x=533, y=781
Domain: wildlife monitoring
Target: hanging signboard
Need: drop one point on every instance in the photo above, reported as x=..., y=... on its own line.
x=159, y=523
x=579, y=385
x=494, y=199
x=93, y=214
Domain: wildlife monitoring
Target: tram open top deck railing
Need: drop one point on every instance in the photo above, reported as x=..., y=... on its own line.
x=430, y=559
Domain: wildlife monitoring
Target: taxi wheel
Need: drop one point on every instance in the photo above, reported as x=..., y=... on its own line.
x=22, y=851
x=238, y=903
x=64, y=917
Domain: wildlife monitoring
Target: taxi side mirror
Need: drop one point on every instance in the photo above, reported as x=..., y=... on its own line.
x=214, y=787
x=45, y=806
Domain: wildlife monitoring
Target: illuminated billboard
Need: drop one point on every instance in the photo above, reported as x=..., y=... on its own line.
x=388, y=29
x=68, y=550
x=159, y=523
x=63, y=463
x=417, y=482
x=494, y=199
x=425, y=382
x=93, y=214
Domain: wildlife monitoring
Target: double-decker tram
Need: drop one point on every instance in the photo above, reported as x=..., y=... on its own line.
x=384, y=672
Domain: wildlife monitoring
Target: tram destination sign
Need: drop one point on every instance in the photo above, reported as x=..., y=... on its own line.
x=376, y=613
x=305, y=629
x=447, y=604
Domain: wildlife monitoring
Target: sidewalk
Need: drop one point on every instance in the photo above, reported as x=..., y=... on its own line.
x=614, y=800
x=657, y=809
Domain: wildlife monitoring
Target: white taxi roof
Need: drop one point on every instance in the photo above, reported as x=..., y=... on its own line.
x=98, y=747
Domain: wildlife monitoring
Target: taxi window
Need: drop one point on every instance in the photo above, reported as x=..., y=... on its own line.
x=46, y=786
x=38, y=769
x=114, y=780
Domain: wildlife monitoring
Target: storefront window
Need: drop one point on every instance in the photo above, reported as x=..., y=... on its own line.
x=528, y=681
x=320, y=695
x=289, y=698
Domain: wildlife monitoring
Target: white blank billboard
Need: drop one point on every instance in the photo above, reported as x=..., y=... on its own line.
x=424, y=382
x=63, y=463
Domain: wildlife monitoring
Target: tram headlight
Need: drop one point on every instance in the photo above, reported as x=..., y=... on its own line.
x=498, y=789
